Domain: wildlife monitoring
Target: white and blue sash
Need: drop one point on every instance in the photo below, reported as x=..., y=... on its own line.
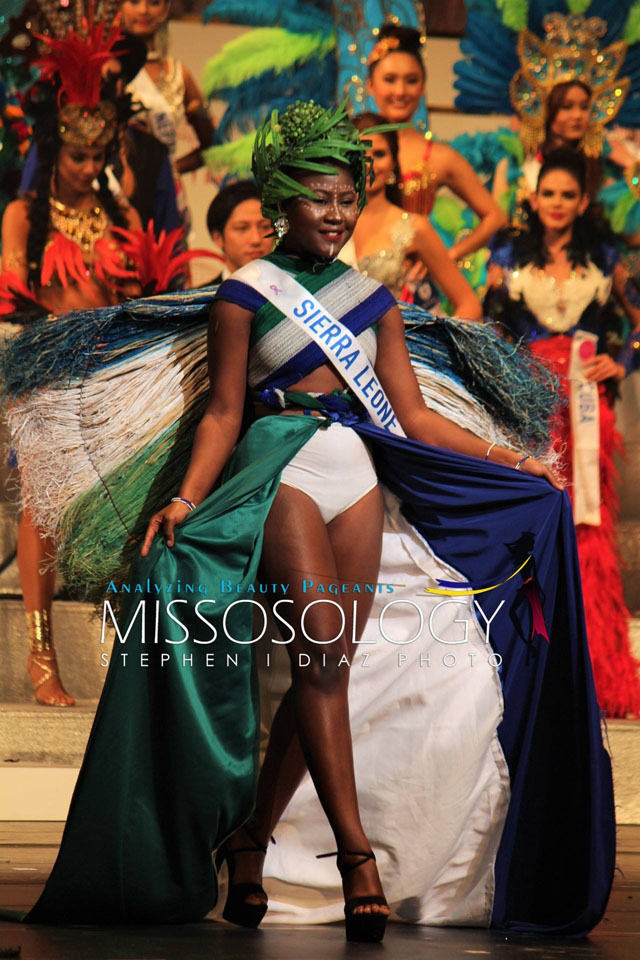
x=335, y=340
x=584, y=409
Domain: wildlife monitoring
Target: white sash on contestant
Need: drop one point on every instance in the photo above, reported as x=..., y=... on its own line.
x=336, y=341
x=159, y=112
x=161, y=120
x=585, y=432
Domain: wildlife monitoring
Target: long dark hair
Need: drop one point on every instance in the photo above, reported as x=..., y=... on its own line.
x=555, y=103
x=365, y=120
x=589, y=234
x=44, y=110
x=409, y=41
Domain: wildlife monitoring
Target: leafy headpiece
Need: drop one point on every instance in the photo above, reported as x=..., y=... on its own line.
x=301, y=138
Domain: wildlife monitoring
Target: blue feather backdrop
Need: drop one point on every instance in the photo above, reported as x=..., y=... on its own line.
x=490, y=59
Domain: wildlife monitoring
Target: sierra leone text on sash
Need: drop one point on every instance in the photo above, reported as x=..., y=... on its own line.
x=335, y=340
x=344, y=348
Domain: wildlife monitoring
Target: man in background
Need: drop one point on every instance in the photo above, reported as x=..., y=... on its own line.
x=238, y=227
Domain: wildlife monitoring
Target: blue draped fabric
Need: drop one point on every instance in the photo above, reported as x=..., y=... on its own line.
x=555, y=863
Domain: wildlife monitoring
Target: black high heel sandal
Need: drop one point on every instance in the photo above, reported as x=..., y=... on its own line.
x=236, y=909
x=360, y=927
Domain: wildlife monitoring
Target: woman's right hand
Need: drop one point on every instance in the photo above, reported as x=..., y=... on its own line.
x=164, y=520
x=537, y=469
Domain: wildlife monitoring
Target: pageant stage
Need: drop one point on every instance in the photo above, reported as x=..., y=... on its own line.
x=27, y=855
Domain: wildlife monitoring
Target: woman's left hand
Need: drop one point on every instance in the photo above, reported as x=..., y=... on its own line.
x=537, y=469
x=603, y=367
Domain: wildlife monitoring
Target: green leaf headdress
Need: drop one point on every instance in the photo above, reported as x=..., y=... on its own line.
x=300, y=138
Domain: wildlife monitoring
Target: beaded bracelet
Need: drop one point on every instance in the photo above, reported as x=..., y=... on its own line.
x=184, y=500
x=520, y=462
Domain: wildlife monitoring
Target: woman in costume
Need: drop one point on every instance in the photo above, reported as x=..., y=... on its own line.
x=397, y=84
x=69, y=246
x=165, y=89
x=552, y=285
x=450, y=774
x=567, y=118
x=385, y=235
x=570, y=121
x=566, y=77
x=53, y=242
x=307, y=532
x=142, y=172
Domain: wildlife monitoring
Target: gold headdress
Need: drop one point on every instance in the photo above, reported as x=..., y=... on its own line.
x=570, y=51
x=381, y=49
x=63, y=17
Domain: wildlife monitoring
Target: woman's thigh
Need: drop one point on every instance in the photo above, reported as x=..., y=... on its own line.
x=321, y=566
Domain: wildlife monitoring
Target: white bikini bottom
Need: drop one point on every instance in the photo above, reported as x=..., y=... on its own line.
x=334, y=468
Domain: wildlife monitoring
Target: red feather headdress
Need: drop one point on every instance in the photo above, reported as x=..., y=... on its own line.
x=75, y=61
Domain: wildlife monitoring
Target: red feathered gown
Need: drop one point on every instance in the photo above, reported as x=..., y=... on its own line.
x=615, y=668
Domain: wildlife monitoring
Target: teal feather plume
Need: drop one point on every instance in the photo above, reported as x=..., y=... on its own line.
x=99, y=529
x=248, y=103
x=485, y=149
x=299, y=17
x=290, y=56
x=621, y=207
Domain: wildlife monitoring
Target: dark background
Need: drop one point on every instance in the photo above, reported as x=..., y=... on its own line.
x=445, y=18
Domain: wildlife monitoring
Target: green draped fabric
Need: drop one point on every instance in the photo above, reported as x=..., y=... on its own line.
x=144, y=847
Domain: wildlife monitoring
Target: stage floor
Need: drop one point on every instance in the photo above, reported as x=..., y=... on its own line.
x=25, y=861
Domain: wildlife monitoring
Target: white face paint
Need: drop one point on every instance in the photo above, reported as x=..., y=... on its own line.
x=322, y=225
x=330, y=189
x=326, y=186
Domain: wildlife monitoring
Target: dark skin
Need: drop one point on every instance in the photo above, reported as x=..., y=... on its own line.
x=311, y=727
x=76, y=168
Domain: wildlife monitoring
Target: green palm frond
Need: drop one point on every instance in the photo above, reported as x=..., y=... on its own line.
x=299, y=138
